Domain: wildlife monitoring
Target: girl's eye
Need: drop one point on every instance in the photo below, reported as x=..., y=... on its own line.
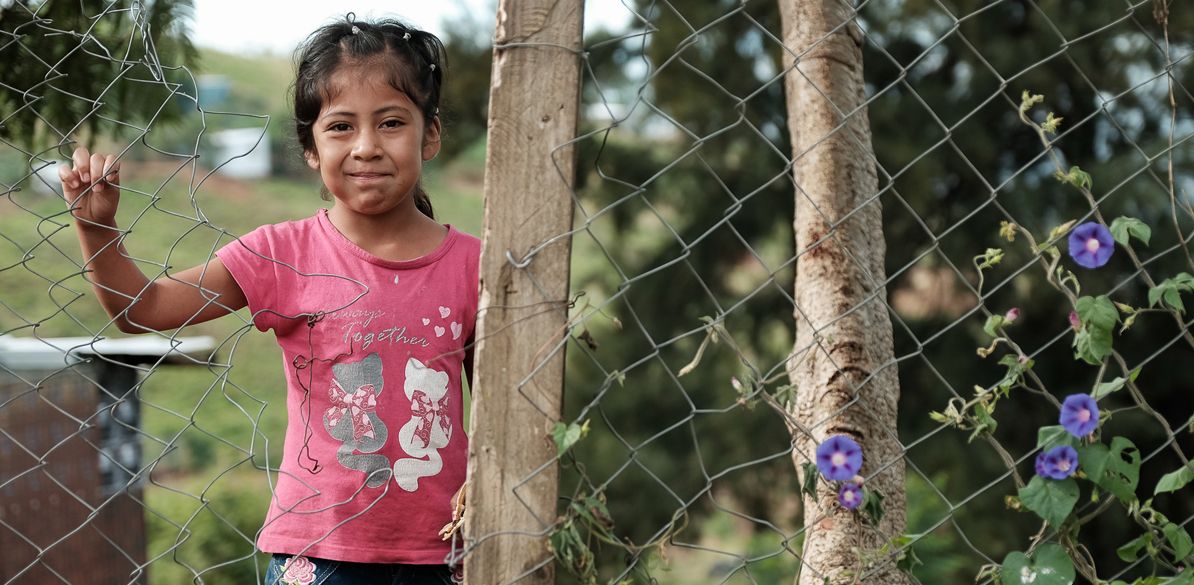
x=391, y=123
x=339, y=127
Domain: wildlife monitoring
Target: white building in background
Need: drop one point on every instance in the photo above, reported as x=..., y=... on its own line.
x=242, y=153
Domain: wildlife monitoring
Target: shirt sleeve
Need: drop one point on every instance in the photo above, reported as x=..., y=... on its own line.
x=250, y=260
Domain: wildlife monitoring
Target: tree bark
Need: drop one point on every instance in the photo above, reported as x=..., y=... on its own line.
x=842, y=365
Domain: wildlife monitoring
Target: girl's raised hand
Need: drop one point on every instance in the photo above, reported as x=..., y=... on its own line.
x=92, y=186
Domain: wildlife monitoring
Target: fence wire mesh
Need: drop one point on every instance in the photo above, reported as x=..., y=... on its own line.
x=678, y=455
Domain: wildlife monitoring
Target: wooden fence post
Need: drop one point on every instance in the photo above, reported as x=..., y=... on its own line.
x=519, y=373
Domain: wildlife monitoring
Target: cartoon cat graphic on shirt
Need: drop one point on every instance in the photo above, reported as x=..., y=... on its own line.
x=352, y=419
x=429, y=428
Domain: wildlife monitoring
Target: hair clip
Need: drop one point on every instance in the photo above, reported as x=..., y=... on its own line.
x=406, y=37
x=433, y=66
x=356, y=29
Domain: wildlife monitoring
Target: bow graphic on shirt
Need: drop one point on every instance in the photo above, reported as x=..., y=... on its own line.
x=422, y=407
x=357, y=405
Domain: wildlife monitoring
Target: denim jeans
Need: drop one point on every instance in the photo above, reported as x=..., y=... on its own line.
x=313, y=571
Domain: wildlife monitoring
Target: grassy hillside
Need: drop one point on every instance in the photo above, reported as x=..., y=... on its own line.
x=261, y=78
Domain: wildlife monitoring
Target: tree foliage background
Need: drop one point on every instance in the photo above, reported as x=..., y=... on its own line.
x=65, y=60
x=944, y=83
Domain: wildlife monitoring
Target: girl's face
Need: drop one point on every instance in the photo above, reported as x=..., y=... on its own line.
x=370, y=143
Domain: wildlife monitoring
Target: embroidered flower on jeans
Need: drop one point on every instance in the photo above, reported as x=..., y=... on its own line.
x=1058, y=463
x=1079, y=415
x=839, y=458
x=1091, y=244
x=298, y=571
x=849, y=495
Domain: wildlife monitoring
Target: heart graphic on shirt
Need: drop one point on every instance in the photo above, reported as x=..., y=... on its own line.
x=426, y=321
x=456, y=330
x=395, y=279
x=439, y=331
x=444, y=312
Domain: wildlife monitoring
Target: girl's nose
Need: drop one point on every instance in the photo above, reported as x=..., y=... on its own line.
x=367, y=146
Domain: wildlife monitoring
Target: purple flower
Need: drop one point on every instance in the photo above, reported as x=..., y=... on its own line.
x=839, y=458
x=1091, y=244
x=1039, y=467
x=1079, y=415
x=1075, y=320
x=849, y=495
x=1057, y=463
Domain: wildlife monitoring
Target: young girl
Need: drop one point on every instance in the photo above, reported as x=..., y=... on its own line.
x=372, y=302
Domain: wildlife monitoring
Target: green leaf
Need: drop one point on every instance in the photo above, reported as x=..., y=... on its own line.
x=1179, y=539
x=983, y=423
x=1015, y=370
x=1116, y=470
x=1049, y=565
x=1186, y=577
x=1123, y=227
x=1092, y=345
x=1049, y=499
x=592, y=509
x=872, y=506
x=1076, y=177
x=1131, y=551
x=992, y=257
x=1170, y=290
x=1098, y=316
x=1107, y=388
x=992, y=325
x=1150, y=580
x=1175, y=480
x=1054, y=435
x=810, y=480
x=902, y=547
x=566, y=435
x=1097, y=311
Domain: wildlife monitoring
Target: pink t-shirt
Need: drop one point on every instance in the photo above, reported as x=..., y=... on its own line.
x=372, y=351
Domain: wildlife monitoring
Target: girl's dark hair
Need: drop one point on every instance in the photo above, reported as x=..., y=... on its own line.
x=415, y=61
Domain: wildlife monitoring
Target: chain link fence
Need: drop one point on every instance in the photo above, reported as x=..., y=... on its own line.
x=681, y=452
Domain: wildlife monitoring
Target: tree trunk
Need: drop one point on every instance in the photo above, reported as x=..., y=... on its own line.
x=842, y=364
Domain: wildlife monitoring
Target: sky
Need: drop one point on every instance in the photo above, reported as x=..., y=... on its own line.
x=276, y=26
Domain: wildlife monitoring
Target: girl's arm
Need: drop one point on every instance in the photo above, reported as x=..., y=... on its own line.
x=194, y=295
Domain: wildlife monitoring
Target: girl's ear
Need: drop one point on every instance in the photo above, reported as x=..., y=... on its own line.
x=312, y=159
x=431, y=139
